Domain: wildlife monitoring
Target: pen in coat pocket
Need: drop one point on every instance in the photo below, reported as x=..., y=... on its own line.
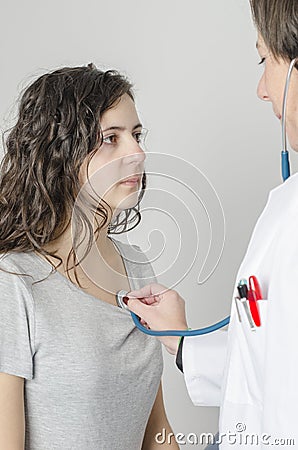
x=243, y=293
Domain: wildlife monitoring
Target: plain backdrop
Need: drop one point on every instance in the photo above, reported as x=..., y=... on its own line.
x=195, y=70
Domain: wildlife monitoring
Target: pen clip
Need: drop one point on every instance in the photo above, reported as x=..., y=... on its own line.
x=245, y=304
x=237, y=307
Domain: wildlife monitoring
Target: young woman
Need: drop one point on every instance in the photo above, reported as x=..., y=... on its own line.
x=75, y=373
x=252, y=374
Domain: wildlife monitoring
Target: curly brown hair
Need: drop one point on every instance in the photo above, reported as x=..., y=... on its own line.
x=58, y=126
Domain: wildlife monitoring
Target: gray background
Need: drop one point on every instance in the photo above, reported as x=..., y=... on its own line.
x=194, y=66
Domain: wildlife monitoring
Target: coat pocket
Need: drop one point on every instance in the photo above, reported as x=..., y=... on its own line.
x=246, y=357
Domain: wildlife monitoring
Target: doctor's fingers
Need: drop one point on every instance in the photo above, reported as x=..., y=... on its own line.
x=150, y=290
x=139, y=308
x=151, y=316
x=170, y=310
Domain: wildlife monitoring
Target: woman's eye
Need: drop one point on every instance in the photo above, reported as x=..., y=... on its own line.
x=262, y=60
x=110, y=139
x=140, y=136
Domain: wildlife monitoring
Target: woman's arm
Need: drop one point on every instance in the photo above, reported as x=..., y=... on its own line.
x=159, y=426
x=12, y=422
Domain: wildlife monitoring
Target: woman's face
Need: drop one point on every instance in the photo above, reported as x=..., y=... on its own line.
x=118, y=158
x=271, y=88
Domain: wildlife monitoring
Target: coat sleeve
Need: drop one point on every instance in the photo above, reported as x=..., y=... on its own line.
x=203, y=366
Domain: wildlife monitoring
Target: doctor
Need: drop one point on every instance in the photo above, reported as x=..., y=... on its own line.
x=251, y=374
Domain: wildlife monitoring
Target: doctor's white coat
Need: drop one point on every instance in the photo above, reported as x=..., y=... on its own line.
x=253, y=375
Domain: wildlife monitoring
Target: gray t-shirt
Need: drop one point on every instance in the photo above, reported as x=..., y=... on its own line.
x=91, y=377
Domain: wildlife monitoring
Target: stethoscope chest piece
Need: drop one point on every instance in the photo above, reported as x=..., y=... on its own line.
x=119, y=299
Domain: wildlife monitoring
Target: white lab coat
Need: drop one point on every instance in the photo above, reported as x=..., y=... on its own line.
x=253, y=376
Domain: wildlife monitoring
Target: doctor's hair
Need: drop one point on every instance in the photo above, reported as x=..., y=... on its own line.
x=277, y=22
x=58, y=126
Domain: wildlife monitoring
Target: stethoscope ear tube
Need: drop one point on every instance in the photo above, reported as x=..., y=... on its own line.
x=285, y=164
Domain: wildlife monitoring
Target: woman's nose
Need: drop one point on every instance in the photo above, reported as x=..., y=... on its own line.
x=261, y=91
x=135, y=153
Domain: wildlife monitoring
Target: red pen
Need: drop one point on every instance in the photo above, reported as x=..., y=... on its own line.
x=255, y=286
x=254, y=294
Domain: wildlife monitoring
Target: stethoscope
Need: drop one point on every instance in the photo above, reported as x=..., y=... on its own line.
x=285, y=164
x=285, y=170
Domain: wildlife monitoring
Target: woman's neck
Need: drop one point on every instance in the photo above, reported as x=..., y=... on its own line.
x=103, y=247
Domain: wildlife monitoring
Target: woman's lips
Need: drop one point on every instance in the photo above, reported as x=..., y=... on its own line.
x=132, y=181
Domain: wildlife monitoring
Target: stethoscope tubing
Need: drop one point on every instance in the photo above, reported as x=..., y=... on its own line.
x=285, y=163
x=285, y=168
x=184, y=333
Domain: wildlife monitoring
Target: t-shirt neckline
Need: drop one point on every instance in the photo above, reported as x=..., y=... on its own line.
x=44, y=262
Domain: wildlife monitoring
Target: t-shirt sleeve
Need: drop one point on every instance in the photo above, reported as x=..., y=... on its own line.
x=16, y=325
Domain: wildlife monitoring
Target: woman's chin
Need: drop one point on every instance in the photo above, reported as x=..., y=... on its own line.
x=125, y=204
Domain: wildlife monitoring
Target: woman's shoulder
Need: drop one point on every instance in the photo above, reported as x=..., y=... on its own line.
x=15, y=259
x=23, y=264
x=15, y=281
x=12, y=260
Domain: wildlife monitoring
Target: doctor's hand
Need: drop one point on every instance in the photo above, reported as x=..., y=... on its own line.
x=159, y=308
